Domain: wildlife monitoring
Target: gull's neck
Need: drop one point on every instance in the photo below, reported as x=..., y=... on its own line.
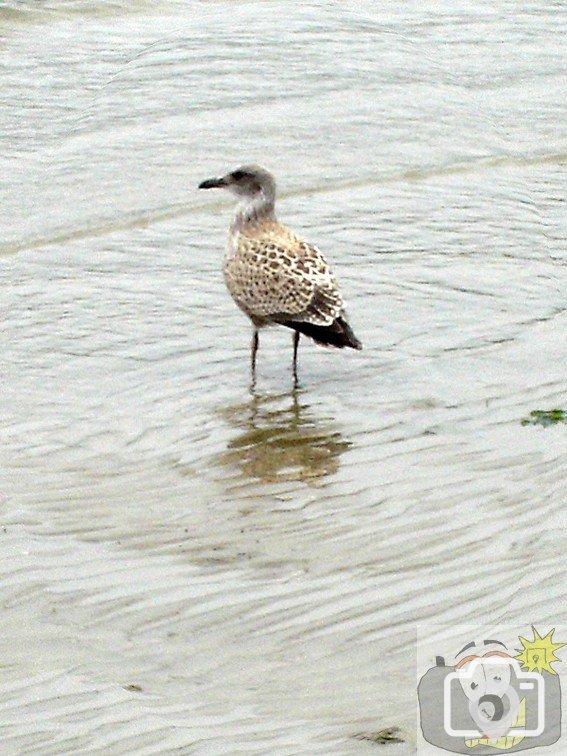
x=253, y=210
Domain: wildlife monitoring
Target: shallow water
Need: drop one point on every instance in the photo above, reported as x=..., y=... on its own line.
x=190, y=565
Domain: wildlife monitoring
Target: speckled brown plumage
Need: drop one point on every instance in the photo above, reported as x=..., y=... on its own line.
x=273, y=275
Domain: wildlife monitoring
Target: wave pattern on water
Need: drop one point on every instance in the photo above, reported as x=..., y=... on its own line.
x=190, y=565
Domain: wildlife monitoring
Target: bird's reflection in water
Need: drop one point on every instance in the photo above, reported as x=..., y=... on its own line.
x=280, y=439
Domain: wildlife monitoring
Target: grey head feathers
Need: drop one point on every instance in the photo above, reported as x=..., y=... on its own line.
x=247, y=181
x=253, y=185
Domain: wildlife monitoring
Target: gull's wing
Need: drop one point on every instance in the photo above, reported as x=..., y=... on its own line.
x=277, y=275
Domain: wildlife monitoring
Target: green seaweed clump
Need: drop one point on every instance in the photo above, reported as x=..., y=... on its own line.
x=545, y=417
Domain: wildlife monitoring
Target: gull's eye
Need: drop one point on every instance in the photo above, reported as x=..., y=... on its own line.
x=238, y=175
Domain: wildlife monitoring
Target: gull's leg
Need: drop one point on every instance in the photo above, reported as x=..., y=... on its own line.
x=295, y=345
x=255, y=344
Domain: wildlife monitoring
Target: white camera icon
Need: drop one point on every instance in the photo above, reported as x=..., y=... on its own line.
x=493, y=685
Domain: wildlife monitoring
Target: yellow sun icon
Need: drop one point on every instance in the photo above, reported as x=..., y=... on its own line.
x=539, y=653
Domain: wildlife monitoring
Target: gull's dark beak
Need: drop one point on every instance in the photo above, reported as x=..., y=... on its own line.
x=213, y=183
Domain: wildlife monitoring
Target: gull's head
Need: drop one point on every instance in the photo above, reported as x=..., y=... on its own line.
x=248, y=183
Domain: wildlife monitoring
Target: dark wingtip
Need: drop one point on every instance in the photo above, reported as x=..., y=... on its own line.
x=349, y=339
x=353, y=343
x=339, y=334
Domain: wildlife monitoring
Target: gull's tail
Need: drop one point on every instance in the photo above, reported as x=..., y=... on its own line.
x=339, y=334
